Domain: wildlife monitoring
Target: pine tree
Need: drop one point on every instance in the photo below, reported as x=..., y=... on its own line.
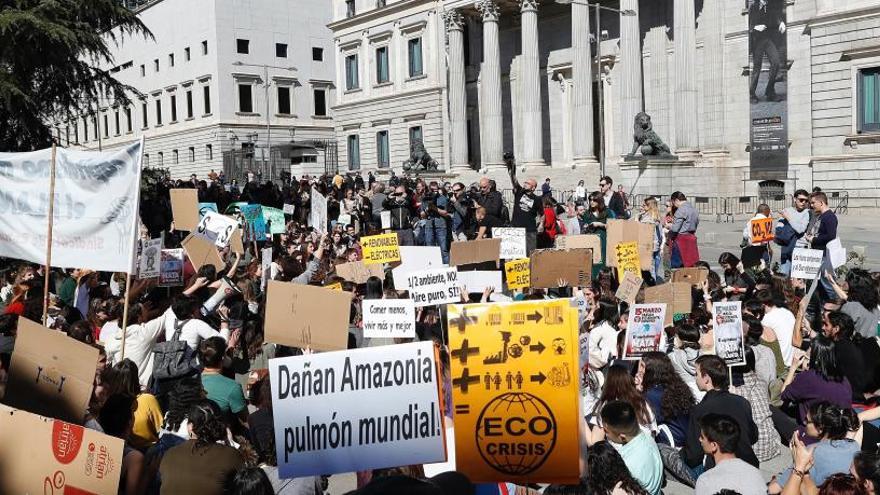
x=50, y=57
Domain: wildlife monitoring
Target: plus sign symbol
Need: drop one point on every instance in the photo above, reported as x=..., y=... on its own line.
x=465, y=351
x=463, y=320
x=465, y=380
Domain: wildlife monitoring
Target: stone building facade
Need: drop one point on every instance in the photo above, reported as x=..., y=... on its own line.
x=528, y=76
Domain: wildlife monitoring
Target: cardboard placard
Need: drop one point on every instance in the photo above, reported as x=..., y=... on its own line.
x=631, y=231
x=185, y=208
x=675, y=295
x=171, y=268
x=358, y=272
x=694, y=275
x=48, y=456
x=629, y=287
x=516, y=364
x=479, y=280
x=382, y=248
x=761, y=230
x=414, y=259
x=306, y=316
x=202, y=252
x=806, y=263
x=591, y=241
x=389, y=318
x=430, y=287
x=385, y=219
x=644, y=330
x=627, y=258
x=513, y=242
x=216, y=228
x=51, y=374
x=730, y=344
x=150, y=259
x=517, y=274
x=235, y=243
x=477, y=251
x=356, y=410
x=334, y=286
x=548, y=266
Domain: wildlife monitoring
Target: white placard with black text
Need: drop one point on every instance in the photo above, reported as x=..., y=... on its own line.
x=432, y=287
x=216, y=228
x=513, y=242
x=389, y=318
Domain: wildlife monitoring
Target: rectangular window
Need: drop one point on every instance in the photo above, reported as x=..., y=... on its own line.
x=317, y=54
x=144, y=115
x=245, y=98
x=146, y=159
x=156, y=65
x=67, y=136
x=205, y=47
x=382, y=149
x=382, y=65
x=75, y=133
x=173, y=108
x=85, y=130
x=189, y=104
x=170, y=60
x=143, y=70
x=128, y=119
x=161, y=158
x=186, y=56
x=414, y=48
x=116, y=121
x=209, y=151
x=281, y=50
x=869, y=100
x=106, y=127
x=320, y=103
x=351, y=72
x=284, y=100
x=175, y=157
x=242, y=46
x=349, y=8
x=206, y=93
x=158, y=112
x=380, y=4
x=192, y=154
x=354, y=152
x=415, y=134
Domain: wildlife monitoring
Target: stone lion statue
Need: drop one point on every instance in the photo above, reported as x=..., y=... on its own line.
x=419, y=158
x=646, y=140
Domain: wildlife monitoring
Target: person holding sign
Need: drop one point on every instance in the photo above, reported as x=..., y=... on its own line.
x=757, y=231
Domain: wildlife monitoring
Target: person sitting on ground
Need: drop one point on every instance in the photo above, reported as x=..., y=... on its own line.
x=607, y=473
x=638, y=450
x=223, y=391
x=686, y=350
x=667, y=394
x=719, y=437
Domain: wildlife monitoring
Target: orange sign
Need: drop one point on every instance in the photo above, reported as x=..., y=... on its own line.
x=515, y=391
x=762, y=230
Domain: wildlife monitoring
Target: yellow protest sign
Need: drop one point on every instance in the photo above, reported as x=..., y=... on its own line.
x=515, y=380
x=627, y=258
x=517, y=272
x=334, y=286
x=380, y=248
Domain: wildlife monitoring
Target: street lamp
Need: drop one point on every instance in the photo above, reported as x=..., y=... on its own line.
x=601, y=93
x=266, y=85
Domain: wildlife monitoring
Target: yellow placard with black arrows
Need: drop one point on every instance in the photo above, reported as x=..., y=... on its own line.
x=515, y=379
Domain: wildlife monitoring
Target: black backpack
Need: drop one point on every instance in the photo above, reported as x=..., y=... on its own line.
x=174, y=358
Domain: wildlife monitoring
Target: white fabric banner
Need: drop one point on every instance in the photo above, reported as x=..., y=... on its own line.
x=95, y=207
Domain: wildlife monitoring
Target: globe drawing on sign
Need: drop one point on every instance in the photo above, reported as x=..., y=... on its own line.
x=516, y=433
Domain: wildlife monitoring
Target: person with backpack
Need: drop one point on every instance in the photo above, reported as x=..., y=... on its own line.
x=790, y=229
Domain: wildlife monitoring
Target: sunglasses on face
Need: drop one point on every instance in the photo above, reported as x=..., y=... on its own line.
x=801, y=200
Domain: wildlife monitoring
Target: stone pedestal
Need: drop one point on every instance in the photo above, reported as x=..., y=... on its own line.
x=660, y=177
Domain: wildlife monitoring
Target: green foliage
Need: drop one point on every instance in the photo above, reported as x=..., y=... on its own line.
x=50, y=53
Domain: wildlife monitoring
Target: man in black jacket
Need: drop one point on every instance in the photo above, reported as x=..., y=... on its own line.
x=400, y=206
x=690, y=462
x=527, y=207
x=490, y=199
x=613, y=200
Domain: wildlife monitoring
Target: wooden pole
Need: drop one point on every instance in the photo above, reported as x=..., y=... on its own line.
x=125, y=314
x=50, y=221
x=136, y=229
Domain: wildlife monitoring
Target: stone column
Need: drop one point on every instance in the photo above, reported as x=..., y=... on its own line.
x=491, y=120
x=712, y=24
x=631, y=101
x=687, y=140
x=530, y=87
x=582, y=87
x=458, y=158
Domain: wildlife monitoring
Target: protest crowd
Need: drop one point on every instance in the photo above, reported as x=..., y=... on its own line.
x=256, y=310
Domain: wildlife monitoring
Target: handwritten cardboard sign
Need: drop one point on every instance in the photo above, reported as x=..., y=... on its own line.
x=477, y=251
x=382, y=248
x=761, y=230
x=51, y=374
x=591, y=241
x=629, y=287
x=185, y=208
x=675, y=295
x=358, y=272
x=631, y=231
x=306, y=316
x=517, y=273
x=694, y=275
x=513, y=242
x=202, y=252
x=548, y=266
x=627, y=258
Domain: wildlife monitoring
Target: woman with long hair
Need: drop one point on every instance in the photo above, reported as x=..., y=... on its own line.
x=738, y=283
x=608, y=472
x=748, y=384
x=685, y=351
x=619, y=385
x=669, y=397
x=862, y=301
x=202, y=463
x=651, y=215
x=866, y=468
x=603, y=334
x=593, y=221
x=834, y=427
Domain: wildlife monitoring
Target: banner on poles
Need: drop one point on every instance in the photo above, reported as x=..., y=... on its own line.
x=515, y=377
x=357, y=410
x=95, y=208
x=389, y=318
x=730, y=342
x=644, y=330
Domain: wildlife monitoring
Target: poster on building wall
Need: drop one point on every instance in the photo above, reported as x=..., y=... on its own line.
x=768, y=89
